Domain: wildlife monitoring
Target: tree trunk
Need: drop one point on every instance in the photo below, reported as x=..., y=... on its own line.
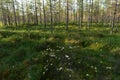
x=113, y=20
x=67, y=18
x=51, y=15
x=59, y=12
x=23, y=15
x=15, y=18
x=44, y=13
x=36, y=16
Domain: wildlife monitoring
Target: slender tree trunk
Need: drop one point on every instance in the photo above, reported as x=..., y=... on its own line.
x=18, y=15
x=23, y=15
x=91, y=17
x=40, y=14
x=36, y=16
x=44, y=13
x=28, y=13
x=67, y=18
x=8, y=16
x=51, y=15
x=76, y=18
x=89, y=14
x=74, y=12
x=1, y=15
x=15, y=18
x=81, y=14
x=102, y=20
x=59, y=12
x=113, y=20
x=79, y=23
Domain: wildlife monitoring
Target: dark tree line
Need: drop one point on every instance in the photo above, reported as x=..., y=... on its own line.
x=56, y=12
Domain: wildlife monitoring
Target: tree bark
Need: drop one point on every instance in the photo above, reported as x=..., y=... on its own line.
x=67, y=18
x=44, y=13
x=15, y=18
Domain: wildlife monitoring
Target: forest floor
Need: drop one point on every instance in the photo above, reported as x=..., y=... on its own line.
x=29, y=53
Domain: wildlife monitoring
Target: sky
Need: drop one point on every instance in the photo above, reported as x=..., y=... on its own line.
x=19, y=0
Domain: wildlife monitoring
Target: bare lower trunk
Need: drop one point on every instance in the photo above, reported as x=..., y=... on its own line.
x=44, y=13
x=67, y=18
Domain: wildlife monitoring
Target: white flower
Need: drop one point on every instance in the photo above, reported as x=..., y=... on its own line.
x=51, y=64
x=95, y=68
x=62, y=48
x=47, y=61
x=101, y=62
x=69, y=69
x=70, y=75
x=29, y=76
x=59, y=58
x=87, y=74
x=68, y=63
x=47, y=49
x=52, y=55
x=43, y=72
x=78, y=46
x=57, y=50
x=60, y=68
x=66, y=56
x=92, y=66
x=108, y=68
x=13, y=66
x=79, y=62
x=44, y=67
x=70, y=47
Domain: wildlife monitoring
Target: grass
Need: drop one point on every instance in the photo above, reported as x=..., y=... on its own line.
x=32, y=54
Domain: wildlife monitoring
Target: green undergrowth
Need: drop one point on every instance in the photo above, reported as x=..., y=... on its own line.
x=59, y=55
